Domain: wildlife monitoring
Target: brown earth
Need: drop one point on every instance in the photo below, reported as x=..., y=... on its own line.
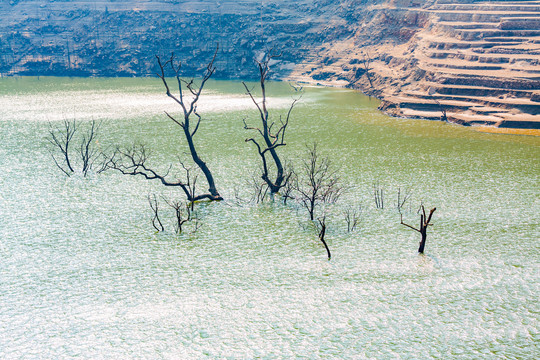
x=467, y=62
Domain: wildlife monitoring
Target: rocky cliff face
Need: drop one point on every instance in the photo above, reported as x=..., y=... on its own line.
x=465, y=61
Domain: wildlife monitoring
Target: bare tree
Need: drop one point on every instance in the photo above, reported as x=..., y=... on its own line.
x=402, y=198
x=317, y=182
x=189, y=112
x=442, y=109
x=154, y=205
x=61, y=138
x=352, y=217
x=424, y=223
x=272, y=133
x=378, y=194
x=367, y=62
x=182, y=211
x=322, y=233
x=134, y=161
x=87, y=151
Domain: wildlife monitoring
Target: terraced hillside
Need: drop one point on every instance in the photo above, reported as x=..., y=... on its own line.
x=469, y=62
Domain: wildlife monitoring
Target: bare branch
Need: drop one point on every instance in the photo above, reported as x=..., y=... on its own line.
x=290, y=181
x=173, y=119
x=161, y=75
x=429, y=217
x=378, y=193
x=409, y=226
x=87, y=151
x=58, y=165
x=198, y=122
x=402, y=200
x=252, y=128
x=133, y=162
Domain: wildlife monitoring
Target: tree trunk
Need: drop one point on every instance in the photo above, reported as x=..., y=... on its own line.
x=322, y=232
x=202, y=165
x=423, y=240
x=424, y=223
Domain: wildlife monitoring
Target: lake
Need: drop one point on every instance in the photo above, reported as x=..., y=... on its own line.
x=83, y=274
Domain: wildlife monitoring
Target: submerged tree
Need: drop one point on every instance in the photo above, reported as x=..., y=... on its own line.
x=182, y=212
x=322, y=233
x=378, y=195
x=62, y=138
x=189, y=109
x=271, y=134
x=352, y=217
x=134, y=161
x=154, y=205
x=424, y=223
x=317, y=182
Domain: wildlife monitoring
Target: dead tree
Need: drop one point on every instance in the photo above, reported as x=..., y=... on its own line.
x=154, y=205
x=424, y=223
x=317, y=182
x=183, y=213
x=378, y=194
x=272, y=133
x=442, y=109
x=61, y=139
x=189, y=112
x=401, y=200
x=87, y=151
x=352, y=217
x=322, y=233
x=367, y=61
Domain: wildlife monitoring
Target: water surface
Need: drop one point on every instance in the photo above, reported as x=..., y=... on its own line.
x=84, y=275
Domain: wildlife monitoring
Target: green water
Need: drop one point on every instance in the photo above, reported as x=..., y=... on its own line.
x=84, y=275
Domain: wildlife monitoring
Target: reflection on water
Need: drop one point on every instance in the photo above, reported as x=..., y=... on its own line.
x=83, y=275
